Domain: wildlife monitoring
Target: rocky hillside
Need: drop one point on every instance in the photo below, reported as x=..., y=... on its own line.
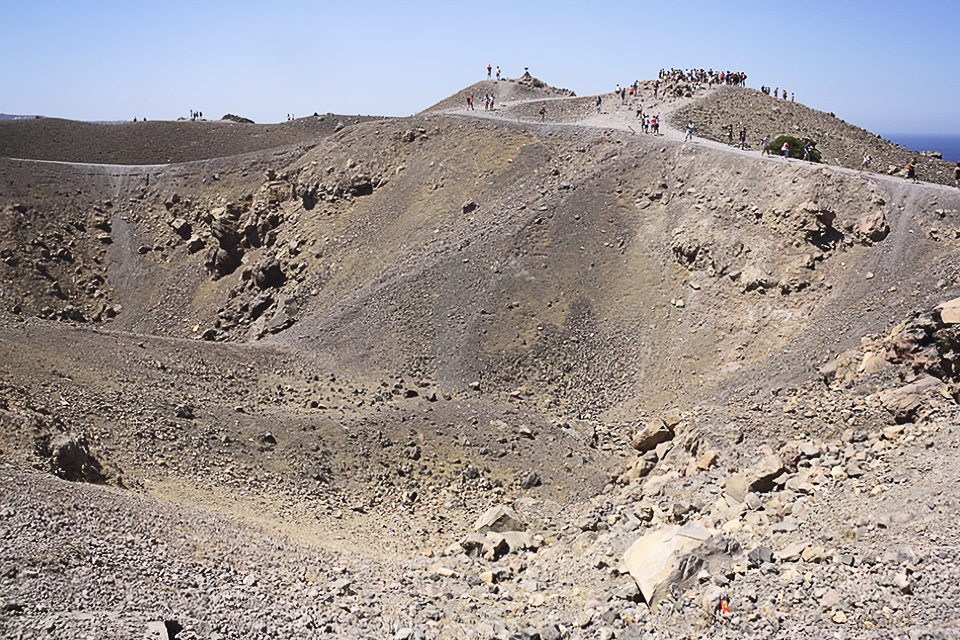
x=840, y=143
x=464, y=374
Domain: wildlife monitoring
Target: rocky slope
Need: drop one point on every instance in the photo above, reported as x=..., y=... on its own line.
x=841, y=143
x=303, y=373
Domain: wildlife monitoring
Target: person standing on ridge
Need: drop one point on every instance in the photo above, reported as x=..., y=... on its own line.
x=911, y=170
x=498, y=74
x=599, y=100
x=489, y=70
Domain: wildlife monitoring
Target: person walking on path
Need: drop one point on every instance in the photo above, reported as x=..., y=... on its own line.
x=599, y=100
x=865, y=164
x=806, y=151
x=690, y=128
x=655, y=123
x=743, y=138
x=911, y=170
x=786, y=151
x=766, y=146
x=543, y=113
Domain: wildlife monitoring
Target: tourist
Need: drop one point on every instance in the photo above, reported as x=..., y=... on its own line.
x=865, y=164
x=766, y=146
x=956, y=176
x=690, y=128
x=743, y=138
x=911, y=170
x=489, y=69
x=543, y=113
x=599, y=100
x=498, y=74
x=786, y=150
x=806, y=150
x=655, y=123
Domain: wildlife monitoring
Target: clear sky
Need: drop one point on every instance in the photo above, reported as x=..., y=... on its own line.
x=890, y=67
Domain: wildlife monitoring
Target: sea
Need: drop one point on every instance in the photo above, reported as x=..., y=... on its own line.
x=948, y=145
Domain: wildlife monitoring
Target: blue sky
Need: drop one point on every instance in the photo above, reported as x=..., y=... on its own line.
x=886, y=66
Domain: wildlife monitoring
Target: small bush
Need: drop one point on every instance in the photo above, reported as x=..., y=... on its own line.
x=796, y=148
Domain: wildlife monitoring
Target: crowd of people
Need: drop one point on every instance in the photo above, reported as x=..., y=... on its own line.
x=709, y=77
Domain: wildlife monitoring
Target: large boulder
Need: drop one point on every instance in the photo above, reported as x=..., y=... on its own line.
x=873, y=227
x=285, y=316
x=652, y=434
x=268, y=272
x=758, y=478
x=947, y=313
x=499, y=519
x=674, y=555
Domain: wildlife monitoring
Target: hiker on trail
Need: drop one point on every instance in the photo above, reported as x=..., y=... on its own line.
x=470, y=102
x=806, y=150
x=656, y=124
x=743, y=138
x=498, y=74
x=640, y=111
x=786, y=151
x=729, y=134
x=766, y=146
x=646, y=124
x=690, y=128
x=489, y=69
x=956, y=176
x=491, y=102
x=543, y=113
x=911, y=170
x=865, y=164
x=599, y=100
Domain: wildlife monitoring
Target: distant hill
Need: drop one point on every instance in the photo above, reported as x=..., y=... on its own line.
x=156, y=141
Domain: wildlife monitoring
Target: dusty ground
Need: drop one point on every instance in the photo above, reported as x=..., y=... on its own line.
x=295, y=377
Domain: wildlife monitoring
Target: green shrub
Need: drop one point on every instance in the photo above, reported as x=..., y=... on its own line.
x=796, y=148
